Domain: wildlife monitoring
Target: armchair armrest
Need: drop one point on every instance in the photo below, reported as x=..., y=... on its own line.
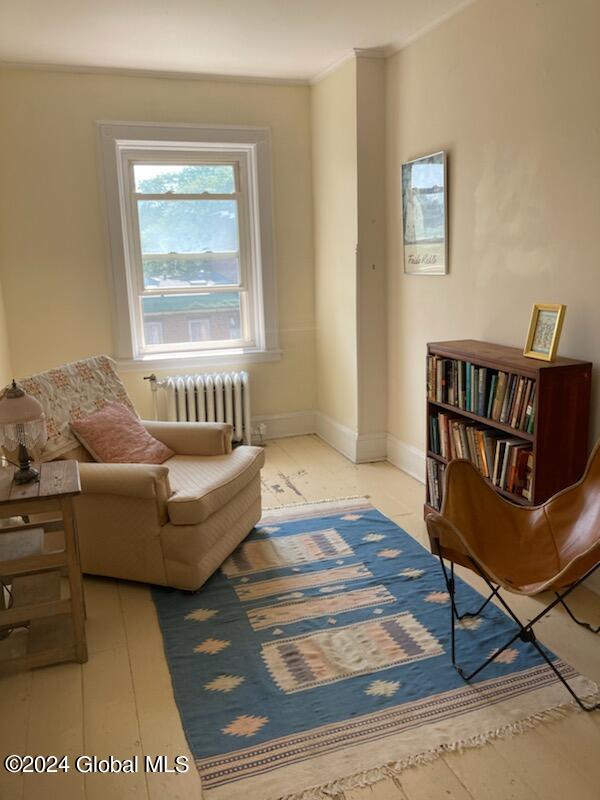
x=192, y=438
x=142, y=481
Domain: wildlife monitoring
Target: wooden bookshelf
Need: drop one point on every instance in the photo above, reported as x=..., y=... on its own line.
x=559, y=439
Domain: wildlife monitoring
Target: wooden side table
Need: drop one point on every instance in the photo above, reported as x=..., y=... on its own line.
x=38, y=625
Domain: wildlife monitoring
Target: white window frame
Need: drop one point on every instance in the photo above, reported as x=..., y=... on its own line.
x=122, y=144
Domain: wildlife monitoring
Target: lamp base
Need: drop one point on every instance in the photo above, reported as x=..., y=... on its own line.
x=26, y=475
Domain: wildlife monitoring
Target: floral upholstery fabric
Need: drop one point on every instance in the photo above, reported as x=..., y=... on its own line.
x=71, y=392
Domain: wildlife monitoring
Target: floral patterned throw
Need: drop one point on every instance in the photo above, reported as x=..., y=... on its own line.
x=71, y=392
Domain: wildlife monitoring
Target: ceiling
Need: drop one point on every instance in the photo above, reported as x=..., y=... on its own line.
x=282, y=39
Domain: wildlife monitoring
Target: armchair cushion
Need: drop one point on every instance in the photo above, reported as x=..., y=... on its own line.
x=204, y=484
x=114, y=435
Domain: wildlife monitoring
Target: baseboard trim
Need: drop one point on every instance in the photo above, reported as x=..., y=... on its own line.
x=358, y=448
x=371, y=447
x=278, y=426
x=406, y=457
x=340, y=437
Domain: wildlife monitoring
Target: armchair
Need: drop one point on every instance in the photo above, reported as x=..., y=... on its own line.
x=527, y=551
x=175, y=523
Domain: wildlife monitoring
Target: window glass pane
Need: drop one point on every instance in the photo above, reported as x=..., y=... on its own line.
x=162, y=272
x=187, y=318
x=188, y=226
x=184, y=179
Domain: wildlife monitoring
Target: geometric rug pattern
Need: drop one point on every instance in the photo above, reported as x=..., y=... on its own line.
x=317, y=659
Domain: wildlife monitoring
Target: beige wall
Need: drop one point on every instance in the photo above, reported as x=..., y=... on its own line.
x=5, y=362
x=371, y=278
x=335, y=226
x=510, y=90
x=53, y=252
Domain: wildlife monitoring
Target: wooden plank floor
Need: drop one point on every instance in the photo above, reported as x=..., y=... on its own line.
x=120, y=702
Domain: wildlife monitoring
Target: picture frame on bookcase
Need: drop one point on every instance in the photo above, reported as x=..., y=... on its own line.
x=424, y=215
x=544, y=332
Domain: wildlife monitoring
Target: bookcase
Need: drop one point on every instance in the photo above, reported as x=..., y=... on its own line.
x=523, y=423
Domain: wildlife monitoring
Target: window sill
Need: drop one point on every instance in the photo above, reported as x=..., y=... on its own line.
x=163, y=361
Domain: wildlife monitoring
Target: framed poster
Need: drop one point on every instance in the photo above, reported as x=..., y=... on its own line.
x=424, y=215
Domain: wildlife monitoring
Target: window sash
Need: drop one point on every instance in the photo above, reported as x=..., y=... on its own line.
x=199, y=196
x=216, y=344
x=216, y=257
x=246, y=255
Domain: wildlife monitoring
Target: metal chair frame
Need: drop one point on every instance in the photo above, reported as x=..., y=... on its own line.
x=524, y=632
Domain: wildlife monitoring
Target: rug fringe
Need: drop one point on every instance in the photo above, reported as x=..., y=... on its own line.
x=335, y=790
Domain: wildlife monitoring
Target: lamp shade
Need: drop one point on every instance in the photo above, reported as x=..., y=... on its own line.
x=21, y=408
x=22, y=419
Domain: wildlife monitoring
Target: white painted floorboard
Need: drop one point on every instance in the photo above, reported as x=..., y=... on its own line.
x=121, y=701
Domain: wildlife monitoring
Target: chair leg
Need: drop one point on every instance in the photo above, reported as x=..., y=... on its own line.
x=578, y=621
x=554, y=669
x=524, y=632
x=454, y=615
x=466, y=614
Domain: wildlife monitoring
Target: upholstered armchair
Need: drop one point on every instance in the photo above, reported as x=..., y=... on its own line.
x=171, y=524
x=175, y=523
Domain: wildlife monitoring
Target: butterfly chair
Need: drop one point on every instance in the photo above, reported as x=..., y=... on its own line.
x=551, y=547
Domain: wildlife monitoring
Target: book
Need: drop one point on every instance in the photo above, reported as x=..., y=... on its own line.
x=517, y=402
x=474, y=388
x=526, y=395
x=467, y=387
x=439, y=385
x=506, y=460
x=492, y=395
x=481, y=391
x=527, y=488
x=506, y=400
x=511, y=479
x=498, y=459
x=499, y=398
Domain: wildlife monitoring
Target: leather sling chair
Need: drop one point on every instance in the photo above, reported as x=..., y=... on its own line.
x=525, y=550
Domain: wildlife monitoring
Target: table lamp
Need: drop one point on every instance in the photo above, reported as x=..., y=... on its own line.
x=22, y=425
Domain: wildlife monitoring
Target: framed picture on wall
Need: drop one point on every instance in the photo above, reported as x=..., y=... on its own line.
x=424, y=215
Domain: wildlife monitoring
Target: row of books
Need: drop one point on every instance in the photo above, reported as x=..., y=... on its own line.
x=435, y=483
x=500, y=396
x=506, y=462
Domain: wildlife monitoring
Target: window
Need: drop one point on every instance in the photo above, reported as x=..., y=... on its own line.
x=191, y=242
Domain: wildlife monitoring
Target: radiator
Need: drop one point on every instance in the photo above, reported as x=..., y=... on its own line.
x=215, y=397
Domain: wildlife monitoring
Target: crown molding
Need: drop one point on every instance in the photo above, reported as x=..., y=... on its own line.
x=400, y=44
x=371, y=52
x=127, y=72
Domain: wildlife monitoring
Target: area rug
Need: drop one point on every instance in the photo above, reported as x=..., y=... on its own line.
x=317, y=660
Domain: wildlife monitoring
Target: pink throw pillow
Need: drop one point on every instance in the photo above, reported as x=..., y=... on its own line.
x=114, y=435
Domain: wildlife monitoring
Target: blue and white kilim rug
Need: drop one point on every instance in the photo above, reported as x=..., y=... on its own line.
x=317, y=660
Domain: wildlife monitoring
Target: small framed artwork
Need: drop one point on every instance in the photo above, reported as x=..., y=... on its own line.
x=424, y=215
x=544, y=331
